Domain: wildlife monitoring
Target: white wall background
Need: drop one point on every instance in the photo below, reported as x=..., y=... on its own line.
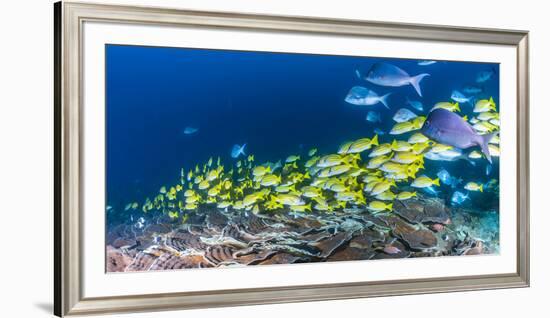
x=26, y=152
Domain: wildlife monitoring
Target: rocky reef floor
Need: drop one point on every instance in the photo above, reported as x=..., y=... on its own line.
x=418, y=227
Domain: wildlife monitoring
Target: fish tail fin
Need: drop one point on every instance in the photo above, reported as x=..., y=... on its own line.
x=471, y=100
x=488, y=169
x=389, y=206
x=457, y=106
x=353, y=157
x=242, y=150
x=384, y=100
x=436, y=182
x=374, y=140
x=484, y=145
x=415, y=82
x=481, y=188
x=358, y=74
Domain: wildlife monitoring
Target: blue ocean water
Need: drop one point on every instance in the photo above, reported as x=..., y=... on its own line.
x=279, y=104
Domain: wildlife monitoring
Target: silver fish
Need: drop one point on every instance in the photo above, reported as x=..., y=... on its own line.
x=426, y=63
x=274, y=165
x=403, y=114
x=190, y=130
x=448, y=155
x=385, y=74
x=460, y=98
x=373, y=117
x=415, y=104
x=458, y=198
x=362, y=96
x=444, y=176
x=484, y=76
x=472, y=89
x=447, y=179
x=237, y=150
x=431, y=190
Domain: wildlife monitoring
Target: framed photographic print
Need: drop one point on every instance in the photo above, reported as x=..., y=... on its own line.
x=211, y=159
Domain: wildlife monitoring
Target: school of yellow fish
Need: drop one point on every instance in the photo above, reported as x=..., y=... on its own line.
x=362, y=173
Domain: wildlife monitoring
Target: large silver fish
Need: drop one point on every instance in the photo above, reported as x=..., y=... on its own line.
x=385, y=74
x=449, y=128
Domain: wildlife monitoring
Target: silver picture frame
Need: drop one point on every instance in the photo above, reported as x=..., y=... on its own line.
x=68, y=295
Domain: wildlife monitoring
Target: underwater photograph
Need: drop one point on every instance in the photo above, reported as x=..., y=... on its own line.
x=218, y=158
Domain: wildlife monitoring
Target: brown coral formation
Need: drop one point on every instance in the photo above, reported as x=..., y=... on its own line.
x=216, y=238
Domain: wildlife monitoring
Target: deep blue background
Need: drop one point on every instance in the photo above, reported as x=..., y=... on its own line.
x=277, y=103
